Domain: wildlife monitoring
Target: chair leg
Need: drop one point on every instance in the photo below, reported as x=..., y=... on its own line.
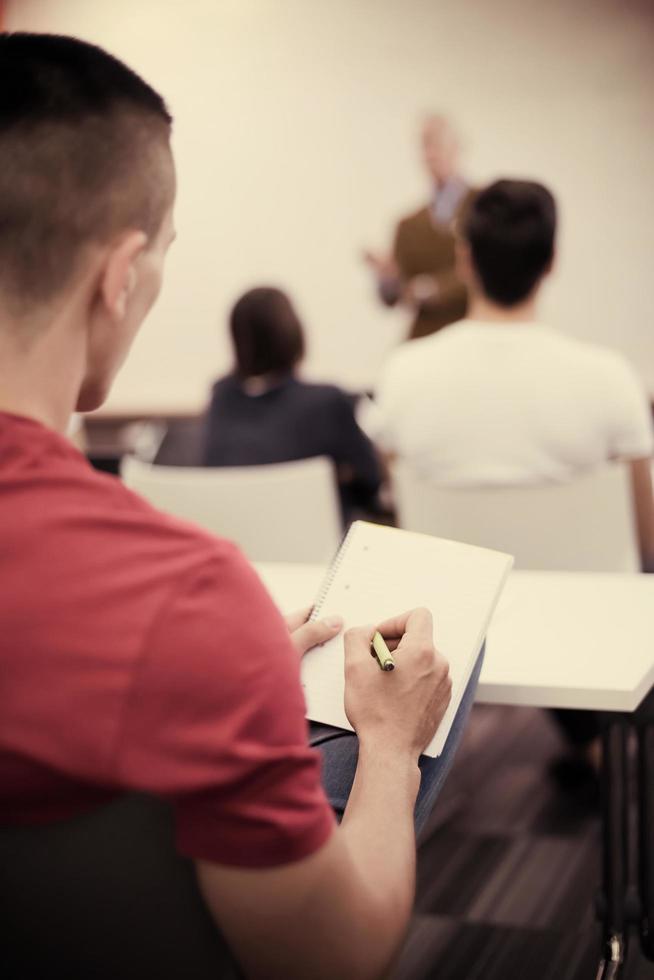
x=645, y=728
x=615, y=844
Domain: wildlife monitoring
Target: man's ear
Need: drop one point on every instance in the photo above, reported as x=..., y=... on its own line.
x=120, y=274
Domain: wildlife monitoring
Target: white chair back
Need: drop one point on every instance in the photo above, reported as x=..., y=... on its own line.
x=280, y=512
x=584, y=525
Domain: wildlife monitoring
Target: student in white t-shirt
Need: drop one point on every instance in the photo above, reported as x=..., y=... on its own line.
x=499, y=399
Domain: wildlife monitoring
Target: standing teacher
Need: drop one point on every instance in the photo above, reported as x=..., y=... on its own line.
x=421, y=271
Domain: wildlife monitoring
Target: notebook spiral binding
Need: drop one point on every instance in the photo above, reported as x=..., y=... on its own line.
x=331, y=574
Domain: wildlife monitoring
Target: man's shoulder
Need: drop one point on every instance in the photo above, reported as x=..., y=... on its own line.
x=600, y=376
x=224, y=387
x=595, y=357
x=167, y=539
x=618, y=376
x=113, y=532
x=322, y=396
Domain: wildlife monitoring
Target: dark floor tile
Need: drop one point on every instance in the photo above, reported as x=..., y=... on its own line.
x=484, y=952
x=423, y=949
x=453, y=867
x=637, y=967
x=532, y=884
x=509, y=867
x=438, y=948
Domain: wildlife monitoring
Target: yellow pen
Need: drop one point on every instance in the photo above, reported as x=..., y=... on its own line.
x=381, y=651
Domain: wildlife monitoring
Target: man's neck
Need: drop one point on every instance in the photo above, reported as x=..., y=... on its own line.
x=40, y=377
x=481, y=308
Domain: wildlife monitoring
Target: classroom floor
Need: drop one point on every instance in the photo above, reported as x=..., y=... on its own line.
x=507, y=882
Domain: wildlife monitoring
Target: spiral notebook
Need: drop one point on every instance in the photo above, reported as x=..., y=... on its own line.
x=382, y=571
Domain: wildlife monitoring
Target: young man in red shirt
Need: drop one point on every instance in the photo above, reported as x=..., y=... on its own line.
x=136, y=651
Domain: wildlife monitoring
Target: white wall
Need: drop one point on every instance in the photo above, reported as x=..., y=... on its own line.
x=295, y=124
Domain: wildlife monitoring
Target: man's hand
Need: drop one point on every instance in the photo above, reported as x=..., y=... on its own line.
x=420, y=290
x=387, y=275
x=383, y=266
x=398, y=710
x=306, y=635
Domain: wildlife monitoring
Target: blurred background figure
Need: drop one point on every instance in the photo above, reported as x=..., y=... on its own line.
x=420, y=272
x=263, y=413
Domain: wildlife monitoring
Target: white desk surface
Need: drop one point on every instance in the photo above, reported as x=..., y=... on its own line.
x=557, y=640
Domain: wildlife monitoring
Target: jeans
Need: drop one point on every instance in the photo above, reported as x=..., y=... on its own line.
x=340, y=751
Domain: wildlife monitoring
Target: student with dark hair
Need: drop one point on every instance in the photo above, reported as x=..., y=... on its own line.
x=266, y=333
x=137, y=652
x=263, y=413
x=499, y=399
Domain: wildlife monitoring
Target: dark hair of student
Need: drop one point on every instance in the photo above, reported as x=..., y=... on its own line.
x=267, y=333
x=510, y=227
x=84, y=145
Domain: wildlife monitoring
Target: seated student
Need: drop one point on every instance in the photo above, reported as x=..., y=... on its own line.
x=263, y=413
x=499, y=399
x=138, y=652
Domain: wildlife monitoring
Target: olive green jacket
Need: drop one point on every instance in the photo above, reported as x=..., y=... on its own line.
x=424, y=248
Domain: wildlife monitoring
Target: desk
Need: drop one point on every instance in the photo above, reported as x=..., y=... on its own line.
x=570, y=640
x=110, y=437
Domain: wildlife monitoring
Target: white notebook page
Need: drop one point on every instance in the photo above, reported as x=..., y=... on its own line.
x=382, y=571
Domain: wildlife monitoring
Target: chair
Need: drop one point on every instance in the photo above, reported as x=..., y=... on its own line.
x=278, y=512
x=584, y=525
x=182, y=444
x=105, y=896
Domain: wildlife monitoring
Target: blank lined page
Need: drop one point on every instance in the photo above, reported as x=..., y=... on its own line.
x=380, y=572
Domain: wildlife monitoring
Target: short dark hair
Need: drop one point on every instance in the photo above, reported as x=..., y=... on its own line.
x=83, y=140
x=267, y=333
x=510, y=227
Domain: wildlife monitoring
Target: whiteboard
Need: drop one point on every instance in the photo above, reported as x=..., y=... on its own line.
x=296, y=144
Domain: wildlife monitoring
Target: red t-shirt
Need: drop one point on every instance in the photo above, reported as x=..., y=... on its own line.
x=139, y=653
